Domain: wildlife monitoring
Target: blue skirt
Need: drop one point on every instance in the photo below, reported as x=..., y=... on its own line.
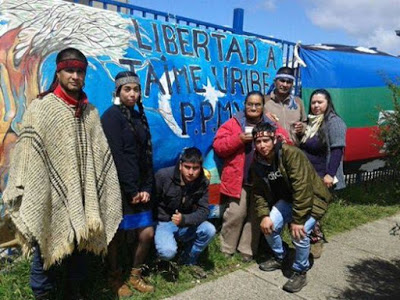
x=137, y=220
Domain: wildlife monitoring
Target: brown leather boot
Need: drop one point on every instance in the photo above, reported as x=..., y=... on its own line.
x=117, y=285
x=124, y=291
x=138, y=283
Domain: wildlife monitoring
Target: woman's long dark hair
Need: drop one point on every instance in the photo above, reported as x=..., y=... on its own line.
x=143, y=118
x=330, y=109
x=68, y=53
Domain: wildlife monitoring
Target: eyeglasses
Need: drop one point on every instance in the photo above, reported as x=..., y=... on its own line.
x=256, y=105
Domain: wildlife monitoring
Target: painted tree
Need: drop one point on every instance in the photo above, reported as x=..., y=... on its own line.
x=32, y=30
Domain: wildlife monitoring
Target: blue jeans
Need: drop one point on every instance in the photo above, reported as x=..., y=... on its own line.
x=195, y=239
x=42, y=281
x=280, y=215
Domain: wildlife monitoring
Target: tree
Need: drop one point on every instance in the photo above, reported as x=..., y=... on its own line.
x=389, y=130
x=30, y=31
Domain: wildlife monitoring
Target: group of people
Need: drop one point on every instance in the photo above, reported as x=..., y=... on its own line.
x=279, y=174
x=79, y=183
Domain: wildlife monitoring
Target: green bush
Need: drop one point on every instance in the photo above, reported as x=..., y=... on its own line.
x=389, y=130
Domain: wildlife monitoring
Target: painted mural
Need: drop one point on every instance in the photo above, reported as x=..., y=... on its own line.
x=192, y=79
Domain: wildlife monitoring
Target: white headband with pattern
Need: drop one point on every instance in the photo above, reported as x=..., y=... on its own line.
x=285, y=76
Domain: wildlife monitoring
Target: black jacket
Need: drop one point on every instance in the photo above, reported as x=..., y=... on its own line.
x=170, y=193
x=128, y=151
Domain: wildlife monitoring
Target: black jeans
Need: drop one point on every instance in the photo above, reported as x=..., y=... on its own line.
x=43, y=281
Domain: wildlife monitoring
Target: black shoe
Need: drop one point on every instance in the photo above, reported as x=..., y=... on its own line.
x=73, y=290
x=145, y=269
x=296, y=282
x=197, y=272
x=246, y=258
x=168, y=269
x=74, y=294
x=271, y=264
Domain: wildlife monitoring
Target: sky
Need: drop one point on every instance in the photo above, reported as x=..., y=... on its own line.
x=367, y=23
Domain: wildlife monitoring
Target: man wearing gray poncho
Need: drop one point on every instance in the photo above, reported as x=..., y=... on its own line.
x=63, y=193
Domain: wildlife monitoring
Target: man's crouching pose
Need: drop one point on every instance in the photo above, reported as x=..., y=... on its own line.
x=286, y=190
x=182, y=199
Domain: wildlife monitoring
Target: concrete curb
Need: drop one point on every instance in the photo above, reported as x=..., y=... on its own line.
x=363, y=263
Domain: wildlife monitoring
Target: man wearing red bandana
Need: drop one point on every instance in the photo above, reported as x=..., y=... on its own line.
x=69, y=82
x=286, y=189
x=63, y=193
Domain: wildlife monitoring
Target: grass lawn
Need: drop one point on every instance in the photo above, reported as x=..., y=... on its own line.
x=352, y=207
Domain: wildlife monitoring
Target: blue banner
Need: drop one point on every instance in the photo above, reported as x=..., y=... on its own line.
x=334, y=68
x=194, y=79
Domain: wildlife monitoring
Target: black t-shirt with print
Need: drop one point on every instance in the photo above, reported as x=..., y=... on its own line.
x=277, y=183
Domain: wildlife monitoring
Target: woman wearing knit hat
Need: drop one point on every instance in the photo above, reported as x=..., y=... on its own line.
x=128, y=134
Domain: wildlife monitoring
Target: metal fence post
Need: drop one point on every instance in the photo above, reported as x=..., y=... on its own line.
x=238, y=16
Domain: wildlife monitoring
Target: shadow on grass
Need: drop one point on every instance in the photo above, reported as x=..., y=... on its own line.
x=373, y=279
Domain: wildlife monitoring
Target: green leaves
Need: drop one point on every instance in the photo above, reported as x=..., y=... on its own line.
x=389, y=129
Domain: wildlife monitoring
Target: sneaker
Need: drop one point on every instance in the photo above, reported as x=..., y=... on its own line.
x=296, y=282
x=271, y=264
x=168, y=269
x=138, y=283
x=145, y=270
x=197, y=271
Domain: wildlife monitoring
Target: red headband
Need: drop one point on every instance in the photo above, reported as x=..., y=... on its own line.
x=264, y=133
x=71, y=63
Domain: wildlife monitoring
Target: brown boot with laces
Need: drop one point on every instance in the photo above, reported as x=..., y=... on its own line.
x=117, y=285
x=138, y=283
